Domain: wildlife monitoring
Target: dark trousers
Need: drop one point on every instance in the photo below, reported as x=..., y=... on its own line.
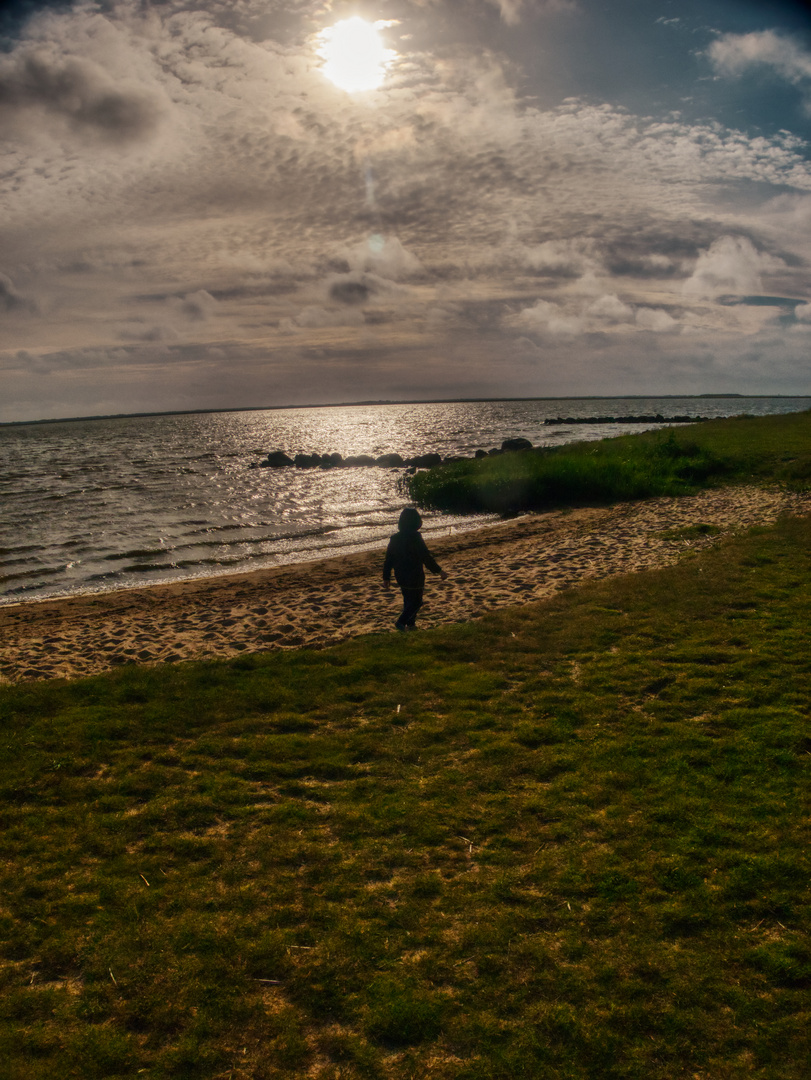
x=412, y=602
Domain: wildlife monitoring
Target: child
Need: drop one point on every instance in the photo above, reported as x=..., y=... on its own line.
x=407, y=555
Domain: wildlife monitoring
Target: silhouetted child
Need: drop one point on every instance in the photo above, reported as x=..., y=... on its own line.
x=406, y=555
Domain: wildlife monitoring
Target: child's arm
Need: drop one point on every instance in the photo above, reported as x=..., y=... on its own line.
x=429, y=561
x=388, y=563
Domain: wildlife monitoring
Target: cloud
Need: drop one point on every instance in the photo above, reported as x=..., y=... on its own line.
x=627, y=261
x=319, y=318
x=610, y=308
x=175, y=315
x=545, y=317
x=11, y=300
x=733, y=54
x=730, y=265
x=355, y=288
x=656, y=320
x=511, y=10
x=606, y=314
x=349, y=290
x=803, y=312
x=384, y=256
x=557, y=258
x=153, y=333
x=77, y=91
x=196, y=307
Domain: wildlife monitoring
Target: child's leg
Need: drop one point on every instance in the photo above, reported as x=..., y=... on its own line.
x=412, y=602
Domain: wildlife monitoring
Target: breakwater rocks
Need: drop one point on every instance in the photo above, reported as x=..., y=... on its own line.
x=646, y=419
x=278, y=459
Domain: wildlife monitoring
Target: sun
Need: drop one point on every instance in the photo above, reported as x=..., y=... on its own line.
x=354, y=56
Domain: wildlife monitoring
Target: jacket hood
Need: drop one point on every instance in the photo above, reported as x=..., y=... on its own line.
x=410, y=520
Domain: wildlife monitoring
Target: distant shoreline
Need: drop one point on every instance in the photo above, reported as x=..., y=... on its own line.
x=409, y=401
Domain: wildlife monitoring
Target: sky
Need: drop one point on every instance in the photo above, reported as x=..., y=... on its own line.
x=539, y=198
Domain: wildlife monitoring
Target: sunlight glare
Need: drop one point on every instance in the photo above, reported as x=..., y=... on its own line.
x=354, y=56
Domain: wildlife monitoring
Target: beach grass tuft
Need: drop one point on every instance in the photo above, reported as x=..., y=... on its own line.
x=674, y=461
x=569, y=840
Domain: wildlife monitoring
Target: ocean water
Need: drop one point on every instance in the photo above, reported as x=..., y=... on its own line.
x=94, y=505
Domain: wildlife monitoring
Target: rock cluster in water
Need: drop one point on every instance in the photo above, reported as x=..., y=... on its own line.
x=278, y=459
x=646, y=419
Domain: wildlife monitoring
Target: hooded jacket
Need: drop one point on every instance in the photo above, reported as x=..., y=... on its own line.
x=407, y=554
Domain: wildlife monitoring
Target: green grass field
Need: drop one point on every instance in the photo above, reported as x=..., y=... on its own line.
x=570, y=840
x=672, y=461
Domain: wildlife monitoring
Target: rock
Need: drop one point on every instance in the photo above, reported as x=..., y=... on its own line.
x=307, y=461
x=516, y=444
x=494, y=452
x=390, y=461
x=360, y=460
x=276, y=459
x=480, y=453
x=331, y=461
x=425, y=461
x=647, y=418
x=451, y=460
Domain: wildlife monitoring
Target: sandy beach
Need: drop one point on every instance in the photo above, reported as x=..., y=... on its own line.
x=322, y=602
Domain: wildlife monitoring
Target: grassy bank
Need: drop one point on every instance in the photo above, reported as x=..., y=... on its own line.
x=676, y=461
x=568, y=841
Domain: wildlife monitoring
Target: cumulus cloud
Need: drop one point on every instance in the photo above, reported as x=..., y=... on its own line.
x=731, y=265
x=545, y=317
x=803, y=312
x=606, y=313
x=656, y=320
x=610, y=308
x=629, y=261
x=196, y=307
x=384, y=256
x=557, y=258
x=732, y=54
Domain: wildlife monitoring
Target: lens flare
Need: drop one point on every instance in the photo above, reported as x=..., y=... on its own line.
x=354, y=55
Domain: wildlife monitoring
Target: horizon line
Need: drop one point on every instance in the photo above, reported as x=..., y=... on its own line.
x=384, y=401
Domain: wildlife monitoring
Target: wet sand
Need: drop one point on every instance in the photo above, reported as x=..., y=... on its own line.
x=323, y=602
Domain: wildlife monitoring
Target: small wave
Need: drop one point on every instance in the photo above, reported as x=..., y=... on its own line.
x=272, y=538
x=19, y=550
x=184, y=564
x=145, y=568
x=44, y=571
x=17, y=561
x=136, y=553
x=18, y=590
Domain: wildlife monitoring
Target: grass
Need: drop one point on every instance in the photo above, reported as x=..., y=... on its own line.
x=567, y=841
x=666, y=462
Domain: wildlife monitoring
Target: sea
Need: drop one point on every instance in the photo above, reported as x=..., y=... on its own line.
x=102, y=504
